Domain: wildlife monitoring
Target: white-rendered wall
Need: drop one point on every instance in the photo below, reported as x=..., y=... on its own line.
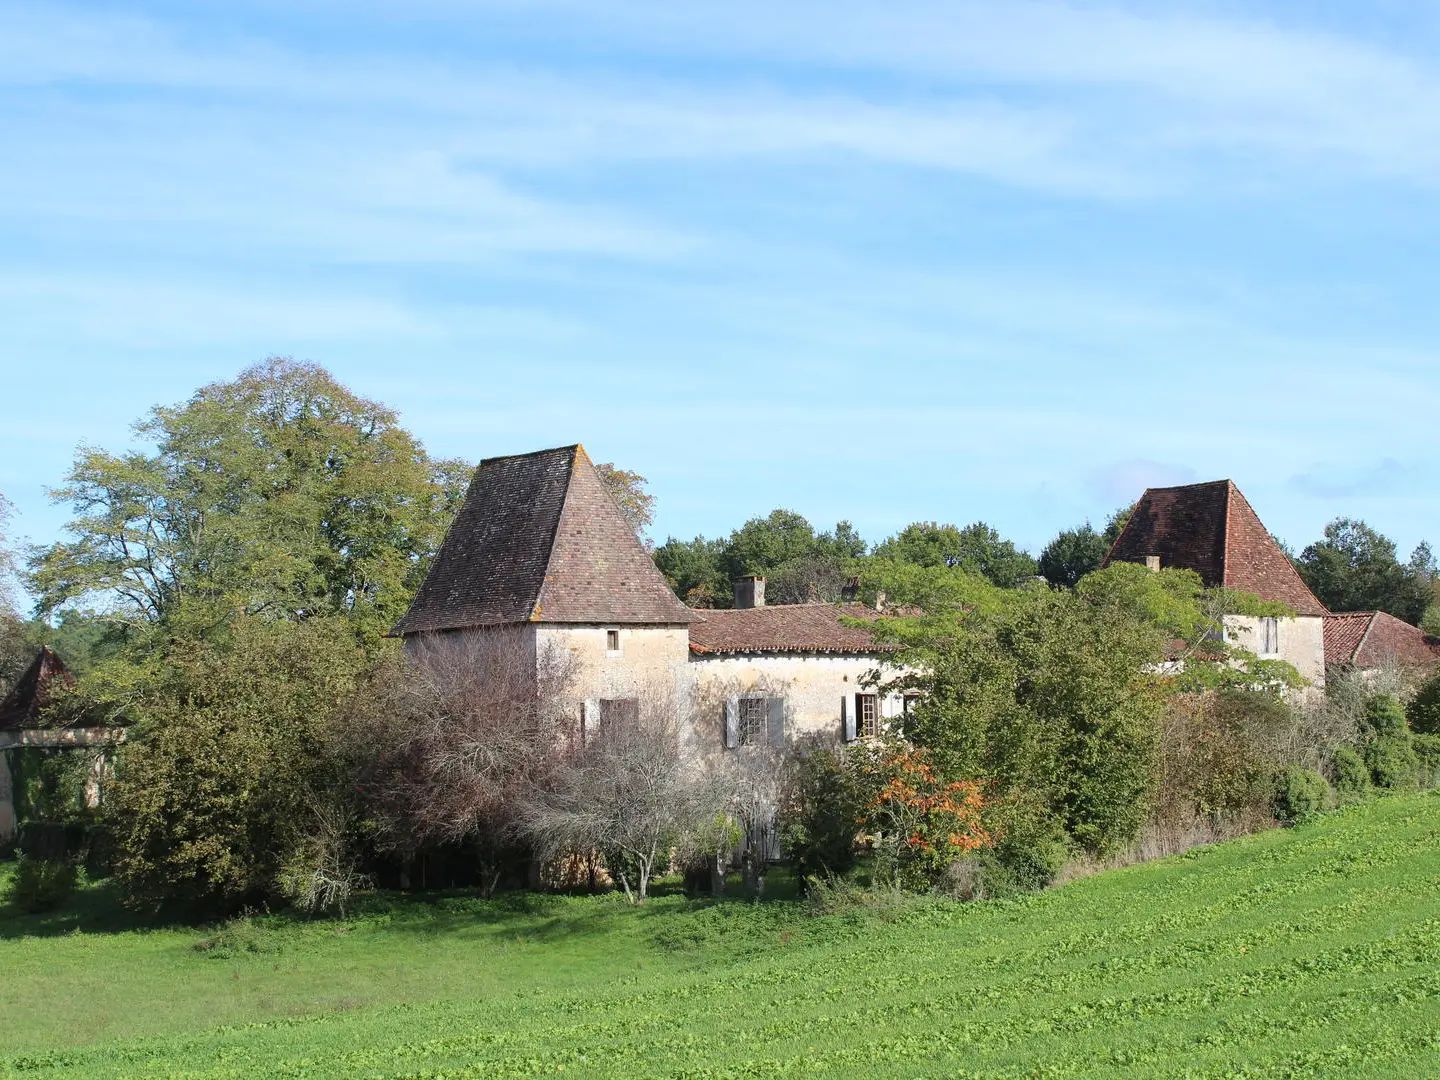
x=1302, y=642
x=812, y=686
x=650, y=662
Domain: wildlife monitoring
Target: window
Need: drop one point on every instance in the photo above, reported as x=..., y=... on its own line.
x=753, y=715
x=618, y=711
x=908, y=702
x=754, y=720
x=612, y=641
x=1267, y=637
x=867, y=715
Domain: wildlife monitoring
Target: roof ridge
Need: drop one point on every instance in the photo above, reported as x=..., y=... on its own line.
x=575, y=449
x=532, y=453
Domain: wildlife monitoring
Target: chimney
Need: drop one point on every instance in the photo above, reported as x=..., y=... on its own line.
x=750, y=592
x=1152, y=563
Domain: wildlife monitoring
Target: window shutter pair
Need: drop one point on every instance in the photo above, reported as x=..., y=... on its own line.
x=774, y=722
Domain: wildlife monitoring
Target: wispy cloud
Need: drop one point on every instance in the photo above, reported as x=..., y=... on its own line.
x=1386, y=477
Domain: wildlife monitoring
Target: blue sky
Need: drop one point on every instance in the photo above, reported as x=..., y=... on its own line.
x=1007, y=261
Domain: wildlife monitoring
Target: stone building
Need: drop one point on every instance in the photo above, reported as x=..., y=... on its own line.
x=1211, y=529
x=541, y=555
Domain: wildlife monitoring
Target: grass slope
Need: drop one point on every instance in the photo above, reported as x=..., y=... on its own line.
x=1312, y=952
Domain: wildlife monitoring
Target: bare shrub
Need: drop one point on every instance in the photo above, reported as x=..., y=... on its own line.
x=463, y=730
x=629, y=791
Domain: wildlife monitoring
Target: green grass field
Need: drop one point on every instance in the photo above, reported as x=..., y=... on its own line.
x=1312, y=952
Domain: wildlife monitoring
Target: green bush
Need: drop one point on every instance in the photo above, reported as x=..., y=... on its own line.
x=1392, y=761
x=1298, y=793
x=1352, y=775
x=1427, y=752
x=1385, y=717
x=42, y=885
x=1424, y=711
x=820, y=815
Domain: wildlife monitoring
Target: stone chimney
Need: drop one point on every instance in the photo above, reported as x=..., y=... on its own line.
x=750, y=592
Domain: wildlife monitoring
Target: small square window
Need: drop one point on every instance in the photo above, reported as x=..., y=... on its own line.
x=612, y=641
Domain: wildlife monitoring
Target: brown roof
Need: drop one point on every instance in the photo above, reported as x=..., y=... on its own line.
x=1370, y=639
x=540, y=539
x=31, y=693
x=783, y=628
x=1211, y=529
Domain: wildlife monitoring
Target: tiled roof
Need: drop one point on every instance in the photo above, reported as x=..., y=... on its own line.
x=1371, y=639
x=783, y=628
x=31, y=691
x=1211, y=529
x=540, y=539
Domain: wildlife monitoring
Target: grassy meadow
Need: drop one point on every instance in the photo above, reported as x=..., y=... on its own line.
x=1307, y=952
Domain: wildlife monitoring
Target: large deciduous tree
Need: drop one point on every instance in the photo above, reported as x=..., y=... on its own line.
x=280, y=493
x=1355, y=568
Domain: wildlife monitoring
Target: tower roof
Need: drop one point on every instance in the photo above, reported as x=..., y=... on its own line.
x=540, y=539
x=32, y=691
x=1211, y=529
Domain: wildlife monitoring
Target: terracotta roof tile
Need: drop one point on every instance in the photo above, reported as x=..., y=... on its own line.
x=1211, y=529
x=1371, y=639
x=540, y=539
x=783, y=628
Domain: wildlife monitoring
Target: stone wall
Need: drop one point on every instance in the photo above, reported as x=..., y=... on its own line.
x=1302, y=642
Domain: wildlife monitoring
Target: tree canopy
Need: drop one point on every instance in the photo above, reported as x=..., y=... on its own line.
x=783, y=546
x=1355, y=568
x=1071, y=555
x=977, y=548
x=280, y=494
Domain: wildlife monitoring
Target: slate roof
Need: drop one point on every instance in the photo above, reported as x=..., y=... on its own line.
x=21, y=708
x=1369, y=639
x=540, y=539
x=1211, y=529
x=784, y=628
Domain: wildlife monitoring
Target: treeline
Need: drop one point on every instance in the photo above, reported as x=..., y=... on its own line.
x=1351, y=568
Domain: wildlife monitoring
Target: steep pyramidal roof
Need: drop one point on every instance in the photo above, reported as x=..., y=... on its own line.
x=1212, y=529
x=540, y=539
x=31, y=692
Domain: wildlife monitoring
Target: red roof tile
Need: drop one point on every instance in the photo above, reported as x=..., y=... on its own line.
x=1211, y=529
x=784, y=628
x=1371, y=639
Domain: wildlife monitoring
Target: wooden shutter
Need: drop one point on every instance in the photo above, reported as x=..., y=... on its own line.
x=732, y=723
x=847, y=721
x=776, y=707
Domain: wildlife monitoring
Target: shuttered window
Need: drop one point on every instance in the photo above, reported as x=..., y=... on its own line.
x=754, y=720
x=867, y=715
x=1268, y=635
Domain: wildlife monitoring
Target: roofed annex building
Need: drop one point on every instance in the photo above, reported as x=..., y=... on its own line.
x=1211, y=529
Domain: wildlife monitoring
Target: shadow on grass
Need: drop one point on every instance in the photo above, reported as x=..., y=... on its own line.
x=530, y=917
